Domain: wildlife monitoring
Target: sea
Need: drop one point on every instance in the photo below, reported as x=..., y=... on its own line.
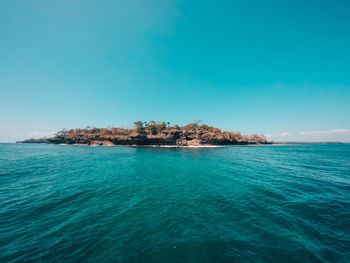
x=272, y=203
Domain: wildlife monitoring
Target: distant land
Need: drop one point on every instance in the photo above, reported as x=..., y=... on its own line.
x=152, y=133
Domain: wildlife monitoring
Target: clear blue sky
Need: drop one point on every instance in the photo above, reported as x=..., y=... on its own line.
x=281, y=68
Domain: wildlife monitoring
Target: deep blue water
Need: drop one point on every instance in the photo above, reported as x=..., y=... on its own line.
x=288, y=203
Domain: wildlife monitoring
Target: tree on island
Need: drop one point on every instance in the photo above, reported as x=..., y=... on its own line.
x=139, y=127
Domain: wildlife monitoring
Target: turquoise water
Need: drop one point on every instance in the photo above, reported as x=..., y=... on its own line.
x=287, y=203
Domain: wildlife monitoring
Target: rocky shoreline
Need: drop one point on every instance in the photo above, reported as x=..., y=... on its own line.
x=151, y=134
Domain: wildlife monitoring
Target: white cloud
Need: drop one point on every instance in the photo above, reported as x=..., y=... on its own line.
x=337, y=135
x=281, y=134
x=329, y=132
x=40, y=134
x=13, y=137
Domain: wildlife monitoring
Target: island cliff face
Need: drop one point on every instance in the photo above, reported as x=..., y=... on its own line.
x=152, y=133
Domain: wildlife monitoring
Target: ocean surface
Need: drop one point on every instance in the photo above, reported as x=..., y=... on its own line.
x=281, y=203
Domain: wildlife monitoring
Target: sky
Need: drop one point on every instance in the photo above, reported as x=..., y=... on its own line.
x=279, y=68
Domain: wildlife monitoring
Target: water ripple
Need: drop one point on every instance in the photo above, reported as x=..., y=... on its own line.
x=118, y=204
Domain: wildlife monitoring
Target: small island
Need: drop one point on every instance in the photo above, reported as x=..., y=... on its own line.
x=152, y=133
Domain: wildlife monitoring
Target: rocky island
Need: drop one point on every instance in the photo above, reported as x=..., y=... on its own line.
x=152, y=133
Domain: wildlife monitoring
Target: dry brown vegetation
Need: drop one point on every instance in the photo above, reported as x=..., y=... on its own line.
x=153, y=133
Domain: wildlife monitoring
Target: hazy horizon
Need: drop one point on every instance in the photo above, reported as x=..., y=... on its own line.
x=274, y=138
x=274, y=68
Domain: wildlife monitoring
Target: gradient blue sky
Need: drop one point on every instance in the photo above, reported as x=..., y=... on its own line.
x=281, y=68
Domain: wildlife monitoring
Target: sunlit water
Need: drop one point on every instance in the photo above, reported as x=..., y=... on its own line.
x=288, y=203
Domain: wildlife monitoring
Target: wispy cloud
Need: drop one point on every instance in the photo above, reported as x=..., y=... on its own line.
x=328, y=132
x=39, y=134
x=342, y=135
x=281, y=134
